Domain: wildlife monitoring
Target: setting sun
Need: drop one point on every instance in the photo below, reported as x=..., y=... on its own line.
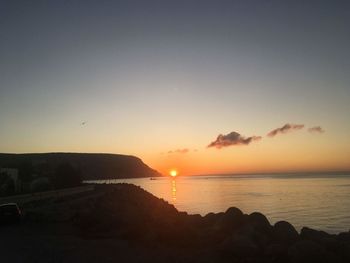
x=173, y=173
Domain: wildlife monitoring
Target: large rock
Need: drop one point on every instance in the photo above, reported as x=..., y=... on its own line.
x=344, y=237
x=230, y=220
x=234, y=213
x=195, y=220
x=239, y=246
x=210, y=218
x=328, y=241
x=312, y=234
x=284, y=232
x=277, y=252
x=346, y=253
x=247, y=230
x=343, y=245
x=307, y=251
x=260, y=222
x=260, y=238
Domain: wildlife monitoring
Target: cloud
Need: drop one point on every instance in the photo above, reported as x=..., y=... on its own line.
x=285, y=129
x=316, y=129
x=232, y=138
x=184, y=150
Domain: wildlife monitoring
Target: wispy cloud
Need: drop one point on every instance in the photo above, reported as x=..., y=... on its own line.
x=285, y=129
x=182, y=151
x=316, y=129
x=233, y=138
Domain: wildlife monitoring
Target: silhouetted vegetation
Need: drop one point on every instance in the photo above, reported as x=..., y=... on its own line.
x=40, y=184
x=25, y=171
x=7, y=185
x=66, y=176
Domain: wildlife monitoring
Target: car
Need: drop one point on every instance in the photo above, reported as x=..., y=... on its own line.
x=10, y=213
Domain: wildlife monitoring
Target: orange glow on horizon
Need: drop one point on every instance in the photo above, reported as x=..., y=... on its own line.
x=292, y=153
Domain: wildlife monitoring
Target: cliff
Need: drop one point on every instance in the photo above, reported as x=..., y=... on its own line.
x=92, y=166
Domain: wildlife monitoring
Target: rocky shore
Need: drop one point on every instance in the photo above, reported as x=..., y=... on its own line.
x=139, y=227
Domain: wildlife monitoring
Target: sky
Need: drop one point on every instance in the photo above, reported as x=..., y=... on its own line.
x=203, y=87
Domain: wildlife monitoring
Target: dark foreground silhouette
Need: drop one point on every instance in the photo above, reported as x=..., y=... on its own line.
x=124, y=223
x=92, y=166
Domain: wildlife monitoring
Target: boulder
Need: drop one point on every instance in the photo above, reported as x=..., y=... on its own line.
x=331, y=244
x=344, y=237
x=247, y=230
x=343, y=245
x=210, y=218
x=328, y=241
x=239, y=246
x=260, y=238
x=277, y=252
x=195, y=220
x=284, y=232
x=346, y=253
x=230, y=220
x=307, y=251
x=260, y=222
x=312, y=234
x=234, y=213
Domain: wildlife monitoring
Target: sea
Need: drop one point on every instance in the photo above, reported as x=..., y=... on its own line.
x=319, y=201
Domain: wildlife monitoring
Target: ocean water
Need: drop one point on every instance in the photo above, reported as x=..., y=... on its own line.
x=317, y=201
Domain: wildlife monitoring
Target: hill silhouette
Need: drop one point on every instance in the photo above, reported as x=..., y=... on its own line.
x=92, y=166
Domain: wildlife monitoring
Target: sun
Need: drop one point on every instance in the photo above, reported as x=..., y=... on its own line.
x=173, y=173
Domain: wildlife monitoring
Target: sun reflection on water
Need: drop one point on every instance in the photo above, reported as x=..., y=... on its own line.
x=173, y=189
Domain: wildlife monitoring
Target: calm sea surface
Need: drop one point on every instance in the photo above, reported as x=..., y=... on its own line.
x=318, y=201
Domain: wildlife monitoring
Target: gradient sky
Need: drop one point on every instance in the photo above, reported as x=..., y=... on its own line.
x=149, y=77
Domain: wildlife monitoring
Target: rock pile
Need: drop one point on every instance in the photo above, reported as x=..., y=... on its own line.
x=129, y=212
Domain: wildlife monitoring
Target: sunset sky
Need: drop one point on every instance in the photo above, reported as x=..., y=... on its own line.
x=203, y=87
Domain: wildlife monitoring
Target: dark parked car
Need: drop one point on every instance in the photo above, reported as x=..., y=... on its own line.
x=10, y=214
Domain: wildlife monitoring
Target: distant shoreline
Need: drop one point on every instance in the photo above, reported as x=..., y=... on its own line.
x=278, y=173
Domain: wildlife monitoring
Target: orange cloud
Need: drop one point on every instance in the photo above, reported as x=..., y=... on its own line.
x=316, y=129
x=184, y=150
x=285, y=129
x=232, y=138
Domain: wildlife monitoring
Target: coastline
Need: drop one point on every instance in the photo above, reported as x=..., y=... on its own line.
x=302, y=201
x=125, y=223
